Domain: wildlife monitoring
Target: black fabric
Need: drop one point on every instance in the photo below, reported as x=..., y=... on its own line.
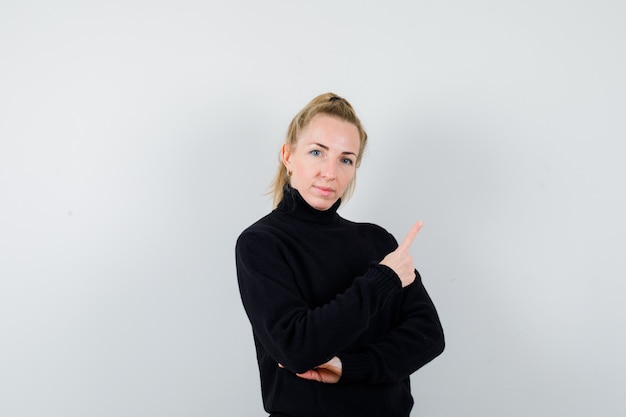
x=312, y=287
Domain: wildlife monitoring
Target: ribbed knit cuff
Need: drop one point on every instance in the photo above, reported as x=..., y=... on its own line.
x=385, y=279
x=355, y=367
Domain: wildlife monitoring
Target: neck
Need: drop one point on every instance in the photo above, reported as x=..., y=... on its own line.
x=293, y=204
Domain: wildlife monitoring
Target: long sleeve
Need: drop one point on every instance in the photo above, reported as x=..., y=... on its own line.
x=298, y=335
x=416, y=340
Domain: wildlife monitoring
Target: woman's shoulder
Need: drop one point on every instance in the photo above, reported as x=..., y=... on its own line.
x=369, y=230
x=265, y=228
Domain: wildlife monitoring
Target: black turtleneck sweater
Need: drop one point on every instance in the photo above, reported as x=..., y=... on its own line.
x=313, y=289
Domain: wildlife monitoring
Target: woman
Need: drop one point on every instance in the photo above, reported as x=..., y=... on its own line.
x=339, y=314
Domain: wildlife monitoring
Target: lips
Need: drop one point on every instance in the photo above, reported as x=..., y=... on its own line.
x=325, y=191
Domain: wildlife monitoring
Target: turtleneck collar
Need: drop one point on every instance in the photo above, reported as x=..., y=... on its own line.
x=293, y=204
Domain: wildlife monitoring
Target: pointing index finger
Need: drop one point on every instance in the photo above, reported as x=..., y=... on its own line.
x=408, y=240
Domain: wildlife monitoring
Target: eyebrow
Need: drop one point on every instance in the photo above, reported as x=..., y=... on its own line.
x=326, y=148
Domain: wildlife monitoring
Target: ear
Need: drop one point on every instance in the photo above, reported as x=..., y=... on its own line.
x=285, y=155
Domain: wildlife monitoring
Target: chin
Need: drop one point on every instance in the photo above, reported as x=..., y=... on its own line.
x=320, y=204
x=322, y=208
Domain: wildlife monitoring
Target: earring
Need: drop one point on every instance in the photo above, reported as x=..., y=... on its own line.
x=290, y=173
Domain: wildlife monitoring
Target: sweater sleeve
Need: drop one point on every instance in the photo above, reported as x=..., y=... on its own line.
x=295, y=335
x=416, y=340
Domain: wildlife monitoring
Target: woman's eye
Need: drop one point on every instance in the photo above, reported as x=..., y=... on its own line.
x=316, y=153
x=347, y=161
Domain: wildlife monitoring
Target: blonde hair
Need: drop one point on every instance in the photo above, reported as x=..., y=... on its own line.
x=329, y=104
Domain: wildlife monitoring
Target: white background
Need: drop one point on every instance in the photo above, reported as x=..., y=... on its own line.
x=137, y=139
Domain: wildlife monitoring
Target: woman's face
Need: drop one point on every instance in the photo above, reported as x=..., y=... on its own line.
x=323, y=162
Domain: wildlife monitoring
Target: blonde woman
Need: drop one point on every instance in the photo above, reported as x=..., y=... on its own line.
x=339, y=315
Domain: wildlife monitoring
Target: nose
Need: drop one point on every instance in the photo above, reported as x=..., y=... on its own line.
x=329, y=169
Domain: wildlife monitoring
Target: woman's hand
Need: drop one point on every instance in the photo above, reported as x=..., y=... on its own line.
x=400, y=260
x=328, y=373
